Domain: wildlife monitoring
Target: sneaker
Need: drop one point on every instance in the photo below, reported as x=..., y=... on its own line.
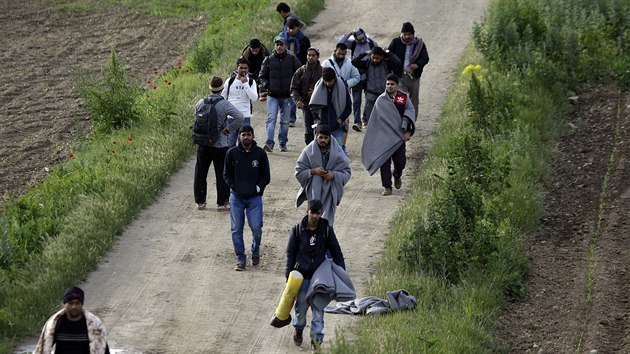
x=283, y=149
x=201, y=206
x=315, y=345
x=297, y=337
x=397, y=182
x=387, y=191
x=356, y=127
x=239, y=267
x=224, y=207
x=365, y=124
x=268, y=148
x=291, y=124
x=255, y=260
x=344, y=150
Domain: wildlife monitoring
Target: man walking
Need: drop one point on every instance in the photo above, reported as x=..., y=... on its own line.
x=381, y=64
x=255, y=53
x=302, y=86
x=360, y=44
x=241, y=91
x=323, y=171
x=285, y=12
x=309, y=242
x=276, y=74
x=413, y=55
x=297, y=42
x=331, y=103
x=347, y=72
x=214, y=152
x=391, y=125
x=73, y=330
x=247, y=173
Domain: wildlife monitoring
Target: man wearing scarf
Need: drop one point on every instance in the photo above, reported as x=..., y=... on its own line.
x=413, y=54
x=331, y=103
x=392, y=124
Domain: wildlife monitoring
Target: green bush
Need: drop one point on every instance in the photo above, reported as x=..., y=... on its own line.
x=203, y=57
x=111, y=100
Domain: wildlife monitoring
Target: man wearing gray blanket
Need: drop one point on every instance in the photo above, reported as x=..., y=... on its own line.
x=392, y=123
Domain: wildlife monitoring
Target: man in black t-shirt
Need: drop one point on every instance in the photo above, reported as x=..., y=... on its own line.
x=73, y=329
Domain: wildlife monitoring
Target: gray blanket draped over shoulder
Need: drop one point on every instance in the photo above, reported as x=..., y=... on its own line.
x=384, y=134
x=316, y=187
x=319, y=99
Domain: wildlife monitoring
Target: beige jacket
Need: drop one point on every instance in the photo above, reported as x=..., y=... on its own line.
x=96, y=333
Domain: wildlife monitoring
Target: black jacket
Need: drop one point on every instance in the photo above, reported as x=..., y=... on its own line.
x=245, y=170
x=276, y=73
x=304, y=257
x=398, y=47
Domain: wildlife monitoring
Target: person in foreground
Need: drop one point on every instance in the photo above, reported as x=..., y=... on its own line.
x=247, y=173
x=392, y=123
x=73, y=330
x=309, y=242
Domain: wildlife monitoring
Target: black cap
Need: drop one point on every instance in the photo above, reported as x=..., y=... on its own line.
x=73, y=293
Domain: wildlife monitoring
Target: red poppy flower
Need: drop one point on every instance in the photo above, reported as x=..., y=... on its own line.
x=113, y=142
x=179, y=67
x=187, y=70
x=148, y=82
x=129, y=139
x=155, y=87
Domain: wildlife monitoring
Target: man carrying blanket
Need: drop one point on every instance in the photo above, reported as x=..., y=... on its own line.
x=392, y=123
x=331, y=103
x=322, y=170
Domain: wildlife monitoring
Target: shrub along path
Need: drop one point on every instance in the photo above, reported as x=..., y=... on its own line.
x=168, y=285
x=579, y=295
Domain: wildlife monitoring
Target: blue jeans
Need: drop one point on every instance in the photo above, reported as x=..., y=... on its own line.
x=252, y=208
x=293, y=118
x=273, y=106
x=338, y=134
x=357, y=91
x=299, y=314
x=233, y=137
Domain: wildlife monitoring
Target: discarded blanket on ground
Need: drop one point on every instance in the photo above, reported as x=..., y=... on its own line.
x=397, y=300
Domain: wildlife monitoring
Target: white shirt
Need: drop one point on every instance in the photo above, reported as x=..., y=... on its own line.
x=242, y=95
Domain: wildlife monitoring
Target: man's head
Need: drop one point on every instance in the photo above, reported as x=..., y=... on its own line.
x=281, y=44
x=377, y=55
x=329, y=76
x=255, y=45
x=73, y=303
x=340, y=51
x=359, y=35
x=314, y=211
x=293, y=26
x=216, y=84
x=407, y=32
x=391, y=84
x=246, y=135
x=242, y=66
x=283, y=9
x=312, y=55
x=323, y=137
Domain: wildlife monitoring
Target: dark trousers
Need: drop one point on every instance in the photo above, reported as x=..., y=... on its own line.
x=207, y=155
x=309, y=134
x=357, y=91
x=400, y=160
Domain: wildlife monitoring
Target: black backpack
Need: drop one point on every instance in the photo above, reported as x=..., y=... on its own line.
x=206, y=130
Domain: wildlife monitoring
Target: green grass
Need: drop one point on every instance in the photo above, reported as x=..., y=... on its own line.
x=56, y=233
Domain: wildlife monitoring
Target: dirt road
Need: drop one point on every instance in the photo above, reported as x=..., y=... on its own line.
x=168, y=284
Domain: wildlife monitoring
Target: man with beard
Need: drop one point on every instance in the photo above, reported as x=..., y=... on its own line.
x=413, y=55
x=73, y=329
x=302, y=86
x=247, y=173
x=331, y=103
x=392, y=124
x=381, y=64
x=255, y=53
x=322, y=171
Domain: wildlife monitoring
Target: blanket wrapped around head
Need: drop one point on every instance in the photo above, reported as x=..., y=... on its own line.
x=384, y=134
x=319, y=99
x=316, y=187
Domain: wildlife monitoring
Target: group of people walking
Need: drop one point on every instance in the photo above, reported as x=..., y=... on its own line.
x=290, y=77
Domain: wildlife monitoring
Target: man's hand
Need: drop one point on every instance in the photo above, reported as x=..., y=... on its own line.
x=243, y=78
x=413, y=66
x=226, y=131
x=299, y=104
x=318, y=171
x=329, y=175
x=407, y=136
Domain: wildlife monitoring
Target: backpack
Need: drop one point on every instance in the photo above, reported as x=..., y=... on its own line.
x=206, y=130
x=231, y=81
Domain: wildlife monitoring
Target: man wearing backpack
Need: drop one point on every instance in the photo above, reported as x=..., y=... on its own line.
x=360, y=44
x=212, y=144
x=241, y=91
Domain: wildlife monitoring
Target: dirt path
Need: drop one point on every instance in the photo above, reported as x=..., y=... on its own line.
x=168, y=286
x=584, y=231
